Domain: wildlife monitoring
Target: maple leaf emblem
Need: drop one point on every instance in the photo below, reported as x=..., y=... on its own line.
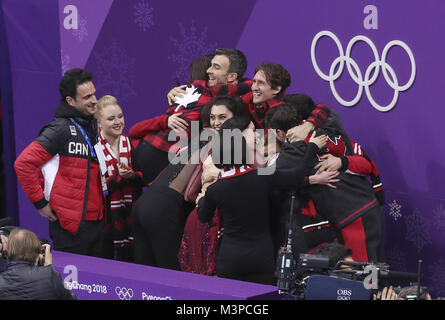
x=191, y=95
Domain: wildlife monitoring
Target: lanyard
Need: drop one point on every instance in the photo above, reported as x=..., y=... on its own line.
x=102, y=177
x=85, y=136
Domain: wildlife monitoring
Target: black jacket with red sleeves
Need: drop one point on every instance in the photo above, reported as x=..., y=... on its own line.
x=354, y=158
x=71, y=174
x=352, y=197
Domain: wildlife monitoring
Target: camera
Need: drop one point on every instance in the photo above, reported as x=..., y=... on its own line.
x=41, y=261
x=6, y=226
x=5, y=230
x=42, y=257
x=293, y=275
x=311, y=278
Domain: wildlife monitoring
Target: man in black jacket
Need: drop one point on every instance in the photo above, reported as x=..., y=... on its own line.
x=23, y=278
x=72, y=195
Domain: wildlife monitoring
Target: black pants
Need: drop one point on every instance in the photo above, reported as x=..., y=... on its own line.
x=149, y=160
x=92, y=249
x=365, y=236
x=158, y=224
x=109, y=250
x=87, y=240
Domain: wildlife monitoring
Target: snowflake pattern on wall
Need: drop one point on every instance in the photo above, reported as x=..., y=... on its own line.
x=115, y=72
x=396, y=259
x=395, y=210
x=417, y=230
x=143, y=13
x=439, y=217
x=192, y=46
x=81, y=32
x=437, y=278
x=65, y=61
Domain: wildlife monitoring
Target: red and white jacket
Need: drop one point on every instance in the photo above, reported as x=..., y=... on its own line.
x=71, y=174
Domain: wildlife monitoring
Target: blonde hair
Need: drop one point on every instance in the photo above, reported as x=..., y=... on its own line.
x=103, y=102
x=23, y=245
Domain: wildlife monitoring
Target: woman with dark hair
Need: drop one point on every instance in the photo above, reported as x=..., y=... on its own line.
x=160, y=213
x=241, y=196
x=197, y=253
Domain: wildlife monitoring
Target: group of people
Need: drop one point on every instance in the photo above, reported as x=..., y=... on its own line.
x=219, y=211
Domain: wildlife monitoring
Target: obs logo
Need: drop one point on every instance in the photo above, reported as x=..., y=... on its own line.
x=363, y=82
x=344, y=294
x=124, y=293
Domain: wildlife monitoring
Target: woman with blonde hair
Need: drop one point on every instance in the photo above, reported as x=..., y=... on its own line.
x=122, y=185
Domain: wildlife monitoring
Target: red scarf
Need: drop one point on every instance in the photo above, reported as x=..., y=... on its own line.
x=123, y=196
x=111, y=160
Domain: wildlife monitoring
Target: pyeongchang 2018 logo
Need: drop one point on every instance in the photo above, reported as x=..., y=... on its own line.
x=372, y=71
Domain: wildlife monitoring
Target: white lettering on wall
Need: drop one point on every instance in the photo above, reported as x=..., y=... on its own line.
x=71, y=20
x=71, y=272
x=371, y=20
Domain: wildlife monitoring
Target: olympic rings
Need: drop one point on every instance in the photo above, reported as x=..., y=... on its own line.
x=124, y=293
x=355, y=73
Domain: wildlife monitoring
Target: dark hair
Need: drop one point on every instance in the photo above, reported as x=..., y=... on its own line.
x=283, y=117
x=228, y=154
x=268, y=116
x=335, y=251
x=198, y=68
x=276, y=75
x=237, y=59
x=302, y=103
x=71, y=80
x=234, y=105
x=238, y=122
